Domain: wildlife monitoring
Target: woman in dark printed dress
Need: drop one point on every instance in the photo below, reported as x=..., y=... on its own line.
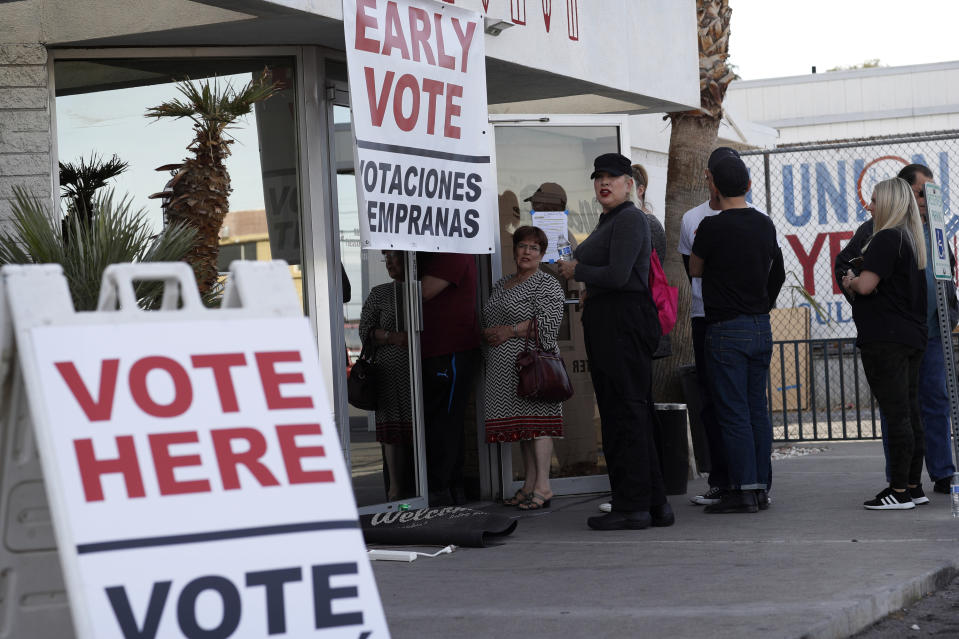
x=506, y=319
x=394, y=430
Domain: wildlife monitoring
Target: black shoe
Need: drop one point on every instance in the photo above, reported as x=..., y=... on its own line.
x=619, y=520
x=662, y=516
x=889, y=499
x=735, y=501
x=762, y=499
x=708, y=498
x=941, y=485
x=918, y=497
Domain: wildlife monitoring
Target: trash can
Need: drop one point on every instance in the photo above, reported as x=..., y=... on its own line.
x=694, y=407
x=672, y=446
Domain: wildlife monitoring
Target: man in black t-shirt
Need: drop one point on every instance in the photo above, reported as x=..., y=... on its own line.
x=741, y=265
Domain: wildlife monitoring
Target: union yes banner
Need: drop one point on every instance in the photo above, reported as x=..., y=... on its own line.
x=421, y=127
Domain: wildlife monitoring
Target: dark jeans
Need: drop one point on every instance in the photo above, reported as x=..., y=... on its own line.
x=619, y=344
x=737, y=360
x=893, y=374
x=447, y=381
x=718, y=473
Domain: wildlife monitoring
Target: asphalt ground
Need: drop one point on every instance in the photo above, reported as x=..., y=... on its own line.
x=816, y=564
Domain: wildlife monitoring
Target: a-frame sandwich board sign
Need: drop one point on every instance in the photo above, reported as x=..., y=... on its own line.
x=189, y=455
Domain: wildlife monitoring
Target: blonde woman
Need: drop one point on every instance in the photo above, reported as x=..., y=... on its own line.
x=889, y=309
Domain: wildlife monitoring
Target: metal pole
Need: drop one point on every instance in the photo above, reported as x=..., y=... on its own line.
x=945, y=336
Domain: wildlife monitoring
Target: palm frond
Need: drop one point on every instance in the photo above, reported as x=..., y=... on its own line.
x=118, y=233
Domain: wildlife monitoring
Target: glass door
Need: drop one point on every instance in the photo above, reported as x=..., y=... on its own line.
x=380, y=316
x=556, y=159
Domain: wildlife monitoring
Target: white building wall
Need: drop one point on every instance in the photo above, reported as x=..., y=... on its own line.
x=25, y=139
x=852, y=104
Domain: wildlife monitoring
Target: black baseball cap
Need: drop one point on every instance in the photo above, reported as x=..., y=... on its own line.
x=729, y=172
x=721, y=153
x=612, y=163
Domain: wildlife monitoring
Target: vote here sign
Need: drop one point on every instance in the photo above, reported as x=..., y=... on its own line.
x=420, y=122
x=197, y=483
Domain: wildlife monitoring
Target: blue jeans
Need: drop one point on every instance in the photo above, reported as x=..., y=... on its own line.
x=934, y=409
x=737, y=360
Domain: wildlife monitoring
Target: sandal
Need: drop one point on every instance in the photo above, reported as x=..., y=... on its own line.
x=533, y=504
x=519, y=498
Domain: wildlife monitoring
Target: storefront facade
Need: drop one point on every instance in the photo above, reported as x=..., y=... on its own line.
x=561, y=78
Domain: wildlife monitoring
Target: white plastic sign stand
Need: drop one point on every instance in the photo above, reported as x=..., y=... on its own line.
x=192, y=466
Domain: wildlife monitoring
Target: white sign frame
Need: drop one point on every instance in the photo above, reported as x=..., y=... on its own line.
x=158, y=561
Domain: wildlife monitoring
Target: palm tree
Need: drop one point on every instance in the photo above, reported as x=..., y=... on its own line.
x=198, y=194
x=117, y=233
x=692, y=138
x=81, y=180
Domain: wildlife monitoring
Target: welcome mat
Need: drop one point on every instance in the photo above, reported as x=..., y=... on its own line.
x=455, y=525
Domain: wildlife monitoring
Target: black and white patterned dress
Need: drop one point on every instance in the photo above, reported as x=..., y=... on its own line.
x=394, y=415
x=511, y=418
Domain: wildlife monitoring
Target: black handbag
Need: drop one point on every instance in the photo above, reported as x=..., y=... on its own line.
x=361, y=384
x=542, y=375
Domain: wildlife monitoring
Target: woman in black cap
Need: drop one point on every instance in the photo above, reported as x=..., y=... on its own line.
x=621, y=326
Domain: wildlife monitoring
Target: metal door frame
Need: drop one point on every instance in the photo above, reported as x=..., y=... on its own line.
x=501, y=455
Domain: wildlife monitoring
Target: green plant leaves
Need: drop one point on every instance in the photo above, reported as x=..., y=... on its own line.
x=116, y=233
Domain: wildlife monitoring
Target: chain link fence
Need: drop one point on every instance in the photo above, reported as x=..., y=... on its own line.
x=816, y=195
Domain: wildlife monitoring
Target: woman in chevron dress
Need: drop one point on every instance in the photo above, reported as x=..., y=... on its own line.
x=507, y=315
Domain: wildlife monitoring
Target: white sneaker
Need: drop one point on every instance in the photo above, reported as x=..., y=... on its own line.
x=606, y=508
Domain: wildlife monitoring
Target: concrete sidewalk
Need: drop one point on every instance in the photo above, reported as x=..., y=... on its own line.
x=816, y=564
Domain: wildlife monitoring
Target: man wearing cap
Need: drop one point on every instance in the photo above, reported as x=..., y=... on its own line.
x=741, y=265
x=718, y=474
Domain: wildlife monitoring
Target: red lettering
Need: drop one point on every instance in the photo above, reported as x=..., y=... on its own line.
x=394, y=33
x=229, y=459
x=165, y=463
x=808, y=261
x=406, y=83
x=378, y=106
x=835, y=239
x=432, y=88
x=452, y=91
x=265, y=362
x=293, y=454
x=420, y=34
x=91, y=468
x=466, y=39
x=365, y=21
x=101, y=409
x=220, y=364
x=182, y=391
x=443, y=60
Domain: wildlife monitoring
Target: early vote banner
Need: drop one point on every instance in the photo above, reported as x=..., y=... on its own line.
x=197, y=481
x=424, y=177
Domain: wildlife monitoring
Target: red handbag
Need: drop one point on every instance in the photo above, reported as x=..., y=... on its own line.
x=542, y=375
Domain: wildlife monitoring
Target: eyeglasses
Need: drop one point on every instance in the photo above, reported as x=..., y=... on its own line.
x=532, y=248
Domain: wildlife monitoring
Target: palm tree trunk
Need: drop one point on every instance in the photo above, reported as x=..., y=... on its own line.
x=690, y=142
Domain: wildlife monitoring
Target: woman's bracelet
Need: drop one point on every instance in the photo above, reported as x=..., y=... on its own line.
x=515, y=331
